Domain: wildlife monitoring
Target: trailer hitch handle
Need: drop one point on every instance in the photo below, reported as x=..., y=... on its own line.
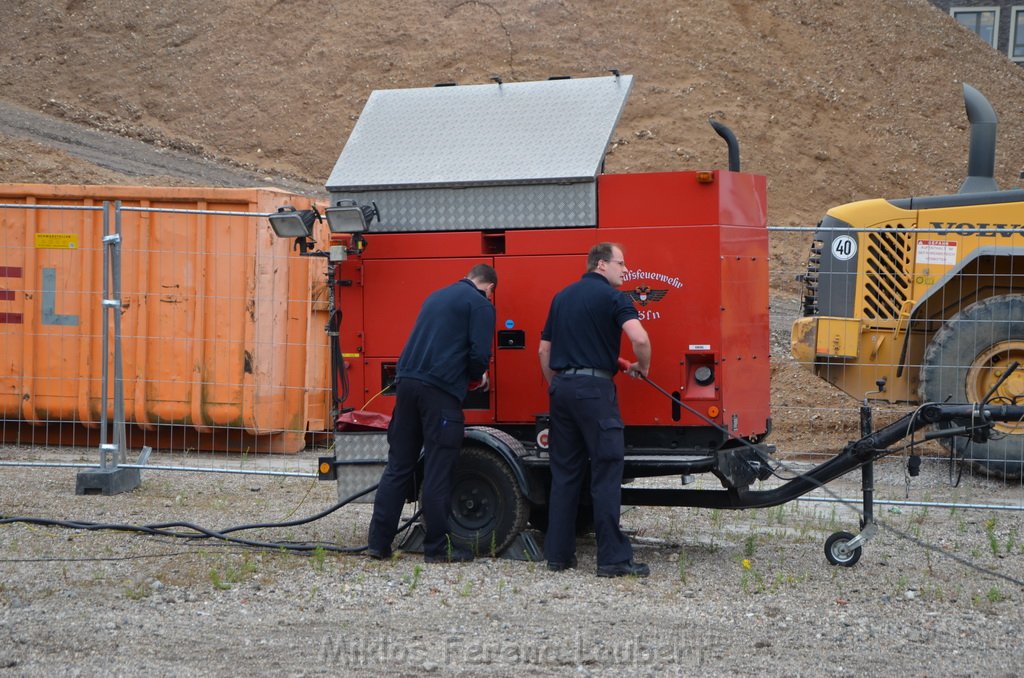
x=946, y=433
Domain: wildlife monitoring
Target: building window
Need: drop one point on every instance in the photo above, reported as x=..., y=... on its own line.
x=1016, y=50
x=982, y=20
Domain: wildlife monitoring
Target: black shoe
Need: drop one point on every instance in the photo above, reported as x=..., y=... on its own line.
x=556, y=566
x=378, y=554
x=453, y=555
x=623, y=569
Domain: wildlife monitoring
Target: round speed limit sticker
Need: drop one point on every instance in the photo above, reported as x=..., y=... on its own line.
x=844, y=247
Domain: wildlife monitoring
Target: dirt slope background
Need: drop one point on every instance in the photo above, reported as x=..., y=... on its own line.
x=832, y=100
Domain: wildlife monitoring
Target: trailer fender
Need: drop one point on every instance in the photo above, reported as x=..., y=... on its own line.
x=510, y=450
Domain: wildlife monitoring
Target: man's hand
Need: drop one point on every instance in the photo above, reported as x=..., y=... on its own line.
x=636, y=371
x=481, y=384
x=632, y=369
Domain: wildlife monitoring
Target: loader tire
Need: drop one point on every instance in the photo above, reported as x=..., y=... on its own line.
x=962, y=363
x=488, y=508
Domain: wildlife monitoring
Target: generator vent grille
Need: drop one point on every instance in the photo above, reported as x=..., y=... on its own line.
x=887, y=272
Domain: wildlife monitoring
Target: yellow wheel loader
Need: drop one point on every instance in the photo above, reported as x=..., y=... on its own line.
x=926, y=293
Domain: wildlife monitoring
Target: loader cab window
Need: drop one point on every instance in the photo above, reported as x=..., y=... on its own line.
x=982, y=20
x=1017, y=35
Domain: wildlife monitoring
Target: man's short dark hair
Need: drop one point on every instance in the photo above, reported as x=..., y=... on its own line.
x=602, y=251
x=484, y=274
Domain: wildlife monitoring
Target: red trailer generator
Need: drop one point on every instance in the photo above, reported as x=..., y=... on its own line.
x=434, y=180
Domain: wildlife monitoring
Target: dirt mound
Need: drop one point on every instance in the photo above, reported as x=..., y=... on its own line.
x=833, y=101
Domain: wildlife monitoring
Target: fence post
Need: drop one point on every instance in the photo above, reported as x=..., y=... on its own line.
x=111, y=477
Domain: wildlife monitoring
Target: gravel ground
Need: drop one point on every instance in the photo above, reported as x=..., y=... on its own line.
x=730, y=592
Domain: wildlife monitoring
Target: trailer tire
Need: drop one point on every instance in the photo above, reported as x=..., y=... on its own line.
x=836, y=550
x=962, y=363
x=488, y=507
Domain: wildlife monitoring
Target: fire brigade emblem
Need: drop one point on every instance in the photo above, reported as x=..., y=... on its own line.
x=644, y=295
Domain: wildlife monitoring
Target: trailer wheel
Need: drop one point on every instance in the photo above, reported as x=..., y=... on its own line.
x=838, y=552
x=964, y=361
x=488, y=508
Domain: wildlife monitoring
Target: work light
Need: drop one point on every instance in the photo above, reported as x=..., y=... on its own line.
x=348, y=216
x=291, y=223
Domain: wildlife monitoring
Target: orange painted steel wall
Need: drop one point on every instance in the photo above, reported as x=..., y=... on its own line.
x=220, y=328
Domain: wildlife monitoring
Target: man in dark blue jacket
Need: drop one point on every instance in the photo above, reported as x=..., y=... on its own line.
x=449, y=348
x=579, y=351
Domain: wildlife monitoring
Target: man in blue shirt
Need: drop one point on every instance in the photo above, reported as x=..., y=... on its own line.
x=450, y=347
x=579, y=351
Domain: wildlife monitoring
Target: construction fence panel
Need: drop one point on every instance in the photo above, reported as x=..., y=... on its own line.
x=222, y=326
x=225, y=356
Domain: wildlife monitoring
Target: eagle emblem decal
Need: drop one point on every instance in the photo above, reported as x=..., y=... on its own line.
x=644, y=295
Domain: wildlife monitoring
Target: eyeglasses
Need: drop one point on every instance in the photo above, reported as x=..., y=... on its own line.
x=620, y=262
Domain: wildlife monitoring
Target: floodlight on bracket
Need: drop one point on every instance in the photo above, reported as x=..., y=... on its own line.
x=289, y=222
x=348, y=216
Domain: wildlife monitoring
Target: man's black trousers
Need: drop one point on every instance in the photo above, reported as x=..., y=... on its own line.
x=428, y=419
x=585, y=423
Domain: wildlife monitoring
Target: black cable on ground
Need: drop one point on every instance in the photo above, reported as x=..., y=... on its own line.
x=199, y=532
x=290, y=523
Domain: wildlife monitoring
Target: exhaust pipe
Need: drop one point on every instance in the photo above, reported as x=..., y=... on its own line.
x=981, y=156
x=730, y=141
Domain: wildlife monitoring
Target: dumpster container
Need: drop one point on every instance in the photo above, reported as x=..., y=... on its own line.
x=222, y=326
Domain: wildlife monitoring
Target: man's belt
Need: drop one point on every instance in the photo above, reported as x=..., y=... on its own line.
x=590, y=371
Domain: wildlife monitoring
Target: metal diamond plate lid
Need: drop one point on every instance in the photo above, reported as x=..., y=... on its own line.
x=477, y=135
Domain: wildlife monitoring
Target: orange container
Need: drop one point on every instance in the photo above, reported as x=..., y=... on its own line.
x=222, y=324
